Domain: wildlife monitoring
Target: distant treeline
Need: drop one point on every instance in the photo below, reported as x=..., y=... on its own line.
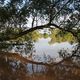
x=56, y=35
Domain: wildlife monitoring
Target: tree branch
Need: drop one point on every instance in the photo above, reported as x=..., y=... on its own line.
x=12, y=37
x=52, y=18
x=64, y=29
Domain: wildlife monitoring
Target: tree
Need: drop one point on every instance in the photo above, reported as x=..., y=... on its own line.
x=16, y=14
x=20, y=17
x=61, y=36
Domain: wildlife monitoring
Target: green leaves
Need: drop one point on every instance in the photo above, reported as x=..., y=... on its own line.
x=61, y=36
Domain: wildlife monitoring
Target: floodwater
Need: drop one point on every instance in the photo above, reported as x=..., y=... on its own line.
x=42, y=49
x=42, y=52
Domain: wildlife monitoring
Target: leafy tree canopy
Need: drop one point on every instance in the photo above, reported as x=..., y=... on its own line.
x=61, y=36
x=15, y=16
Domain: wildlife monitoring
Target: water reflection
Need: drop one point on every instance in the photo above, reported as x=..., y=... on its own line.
x=14, y=69
x=39, y=49
x=20, y=47
x=43, y=48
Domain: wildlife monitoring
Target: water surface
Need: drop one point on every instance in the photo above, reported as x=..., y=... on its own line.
x=43, y=48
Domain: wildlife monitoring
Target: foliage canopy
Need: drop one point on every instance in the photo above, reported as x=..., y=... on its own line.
x=15, y=16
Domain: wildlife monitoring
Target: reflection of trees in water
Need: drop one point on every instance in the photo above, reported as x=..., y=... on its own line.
x=10, y=72
x=23, y=44
x=21, y=47
x=67, y=69
x=10, y=69
x=20, y=72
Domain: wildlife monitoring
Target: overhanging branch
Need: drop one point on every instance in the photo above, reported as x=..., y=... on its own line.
x=64, y=29
x=12, y=37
